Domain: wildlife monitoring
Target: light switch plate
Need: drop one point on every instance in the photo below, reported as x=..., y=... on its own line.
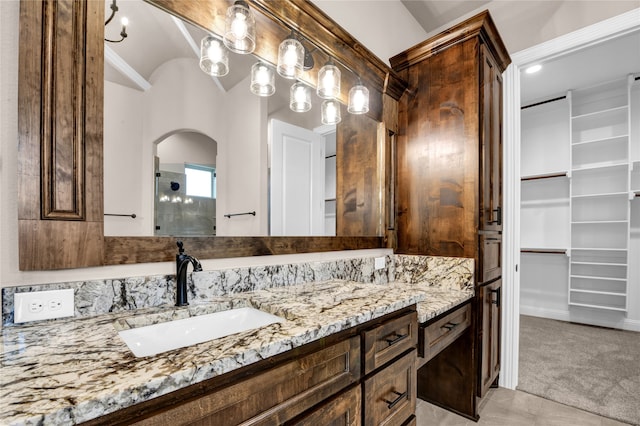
x=41, y=305
x=380, y=263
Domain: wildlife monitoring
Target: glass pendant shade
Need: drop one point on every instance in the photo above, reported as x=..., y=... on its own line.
x=358, y=100
x=262, y=80
x=329, y=82
x=331, y=112
x=300, y=97
x=214, y=58
x=290, y=58
x=240, y=28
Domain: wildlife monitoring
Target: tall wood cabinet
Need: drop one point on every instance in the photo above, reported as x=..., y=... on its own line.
x=449, y=163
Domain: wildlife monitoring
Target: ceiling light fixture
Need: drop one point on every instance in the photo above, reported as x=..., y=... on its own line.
x=358, y=99
x=214, y=58
x=533, y=69
x=240, y=28
x=262, y=79
x=329, y=81
x=330, y=112
x=290, y=58
x=124, y=21
x=300, y=97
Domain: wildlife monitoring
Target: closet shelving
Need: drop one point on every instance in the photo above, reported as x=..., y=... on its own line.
x=580, y=169
x=599, y=193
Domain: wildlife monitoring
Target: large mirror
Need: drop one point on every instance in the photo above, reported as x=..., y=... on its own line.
x=186, y=153
x=61, y=210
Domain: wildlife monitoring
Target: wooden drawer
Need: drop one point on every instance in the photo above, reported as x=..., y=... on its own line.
x=388, y=340
x=275, y=396
x=390, y=395
x=345, y=410
x=441, y=333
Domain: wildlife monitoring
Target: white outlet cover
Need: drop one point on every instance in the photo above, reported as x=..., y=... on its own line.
x=379, y=263
x=55, y=304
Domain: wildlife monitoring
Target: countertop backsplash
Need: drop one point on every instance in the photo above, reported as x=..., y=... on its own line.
x=97, y=297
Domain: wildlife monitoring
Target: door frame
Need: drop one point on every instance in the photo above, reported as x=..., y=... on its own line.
x=584, y=37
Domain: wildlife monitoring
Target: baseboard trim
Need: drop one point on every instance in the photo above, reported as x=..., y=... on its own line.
x=560, y=315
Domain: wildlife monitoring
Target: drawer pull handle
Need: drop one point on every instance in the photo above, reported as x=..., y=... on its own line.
x=397, y=338
x=395, y=402
x=450, y=325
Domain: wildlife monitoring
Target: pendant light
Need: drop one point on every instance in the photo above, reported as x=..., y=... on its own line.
x=329, y=81
x=290, y=58
x=300, y=97
x=262, y=79
x=358, y=99
x=240, y=28
x=214, y=58
x=330, y=112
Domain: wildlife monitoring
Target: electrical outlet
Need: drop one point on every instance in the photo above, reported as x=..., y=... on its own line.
x=41, y=305
x=379, y=263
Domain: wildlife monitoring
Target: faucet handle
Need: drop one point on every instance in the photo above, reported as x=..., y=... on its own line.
x=180, y=248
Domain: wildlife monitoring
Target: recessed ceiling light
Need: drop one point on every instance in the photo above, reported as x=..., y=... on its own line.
x=533, y=68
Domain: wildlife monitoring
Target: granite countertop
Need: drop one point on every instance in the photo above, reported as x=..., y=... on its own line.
x=70, y=371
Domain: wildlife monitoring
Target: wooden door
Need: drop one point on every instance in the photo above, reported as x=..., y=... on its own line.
x=491, y=144
x=490, y=300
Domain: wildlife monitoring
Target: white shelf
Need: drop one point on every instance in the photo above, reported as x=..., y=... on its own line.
x=601, y=112
x=598, y=249
x=600, y=166
x=591, y=277
x=603, y=194
x=607, y=308
x=600, y=140
x=599, y=264
x=598, y=222
x=604, y=293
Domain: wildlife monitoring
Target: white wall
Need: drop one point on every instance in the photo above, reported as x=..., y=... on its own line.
x=123, y=148
x=188, y=147
x=384, y=27
x=242, y=165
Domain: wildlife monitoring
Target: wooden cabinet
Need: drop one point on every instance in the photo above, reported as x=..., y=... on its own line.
x=447, y=373
x=390, y=395
x=490, y=314
x=274, y=396
x=323, y=382
x=387, y=341
x=436, y=336
x=449, y=156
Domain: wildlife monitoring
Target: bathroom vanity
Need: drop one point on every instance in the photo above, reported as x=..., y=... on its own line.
x=346, y=350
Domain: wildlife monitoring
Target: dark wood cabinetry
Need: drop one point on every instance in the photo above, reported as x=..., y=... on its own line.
x=449, y=162
x=490, y=300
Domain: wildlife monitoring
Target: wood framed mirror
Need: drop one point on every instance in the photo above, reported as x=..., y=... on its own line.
x=61, y=137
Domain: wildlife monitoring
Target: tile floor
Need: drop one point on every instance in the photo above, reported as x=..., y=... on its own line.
x=513, y=408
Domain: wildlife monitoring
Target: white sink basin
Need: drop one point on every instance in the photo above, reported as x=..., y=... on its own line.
x=158, y=338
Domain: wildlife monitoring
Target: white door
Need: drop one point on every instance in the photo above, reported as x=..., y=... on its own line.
x=297, y=181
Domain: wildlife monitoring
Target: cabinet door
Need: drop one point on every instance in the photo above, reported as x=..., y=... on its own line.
x=490, y=300
x=390, y=395
x=273, y=397
x=345, y=410
x=491, y=143
x=490, y=257
x=60, y=201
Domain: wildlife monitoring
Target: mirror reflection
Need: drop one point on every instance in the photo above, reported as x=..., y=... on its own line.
x=193, y=154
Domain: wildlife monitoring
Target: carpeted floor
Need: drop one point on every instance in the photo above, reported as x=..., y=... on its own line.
x=591, y=368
